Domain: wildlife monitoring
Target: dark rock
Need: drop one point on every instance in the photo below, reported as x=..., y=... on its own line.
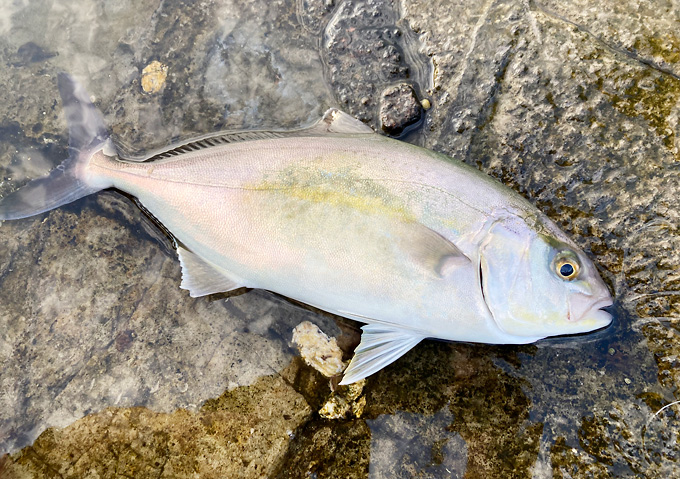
x=399, y=109
x=29, y=52
x=366, y=48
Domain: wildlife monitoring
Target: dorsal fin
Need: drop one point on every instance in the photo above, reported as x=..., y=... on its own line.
x=333, y=121
x=336, y=121
x=195, y=144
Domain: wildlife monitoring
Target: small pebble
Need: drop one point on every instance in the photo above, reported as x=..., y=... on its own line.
x=399, y=108
x=425, y=103
x=153, y=76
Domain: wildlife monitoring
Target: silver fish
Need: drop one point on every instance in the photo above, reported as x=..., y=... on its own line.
x=409, y=241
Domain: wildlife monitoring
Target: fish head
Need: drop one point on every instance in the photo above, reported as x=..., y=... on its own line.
x=538, y=283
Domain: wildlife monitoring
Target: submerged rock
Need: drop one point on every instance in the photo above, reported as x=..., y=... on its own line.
x=244, y=433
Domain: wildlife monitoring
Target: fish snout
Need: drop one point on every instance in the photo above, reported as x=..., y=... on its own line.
x=589, y=312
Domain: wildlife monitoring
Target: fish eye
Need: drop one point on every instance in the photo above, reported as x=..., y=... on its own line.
x=566, y=268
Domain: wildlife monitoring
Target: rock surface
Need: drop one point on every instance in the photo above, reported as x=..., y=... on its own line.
x=574, y=105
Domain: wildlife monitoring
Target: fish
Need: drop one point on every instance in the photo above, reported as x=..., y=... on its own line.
x=409, y=241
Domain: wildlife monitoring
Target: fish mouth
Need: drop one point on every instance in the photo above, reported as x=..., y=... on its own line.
x=595, y=316
x=603, y=303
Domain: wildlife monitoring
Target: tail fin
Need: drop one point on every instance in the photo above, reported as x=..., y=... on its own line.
x=66, y=183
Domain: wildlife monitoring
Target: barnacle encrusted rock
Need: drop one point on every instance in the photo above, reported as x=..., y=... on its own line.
x=345, y=402
x=399, y=109
x=318, y=350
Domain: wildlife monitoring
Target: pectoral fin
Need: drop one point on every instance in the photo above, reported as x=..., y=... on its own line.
x=201, y=278
x=380, y=345
x=431, y=250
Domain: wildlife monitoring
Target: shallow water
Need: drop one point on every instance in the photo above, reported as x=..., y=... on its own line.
x=108, y=366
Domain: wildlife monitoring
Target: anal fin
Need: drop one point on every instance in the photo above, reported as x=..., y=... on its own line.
x=201, y=278
x=380, y=345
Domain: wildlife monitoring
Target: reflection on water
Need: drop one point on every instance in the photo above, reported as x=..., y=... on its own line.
x=551, y=98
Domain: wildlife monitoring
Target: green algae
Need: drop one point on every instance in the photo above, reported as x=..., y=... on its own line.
x=328, y=450
x=567, y=463
x=653, y=96
x=666, y=47
x=631, y=439
x=664, y=344
x=592, y=438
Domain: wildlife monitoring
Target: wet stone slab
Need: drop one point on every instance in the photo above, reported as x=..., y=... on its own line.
x=574, y=105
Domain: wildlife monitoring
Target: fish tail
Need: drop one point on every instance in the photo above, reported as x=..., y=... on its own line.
x=68, y=181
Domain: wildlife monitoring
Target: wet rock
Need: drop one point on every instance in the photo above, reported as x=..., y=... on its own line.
x=645, y=30
x=405, y=445
x=572, y=104
x=611, y=447
x=367, y=48
x=243, y=433
x=487, y=408
x=399, y=109
x=328, y=450
x=664, y=342
x=314, y=14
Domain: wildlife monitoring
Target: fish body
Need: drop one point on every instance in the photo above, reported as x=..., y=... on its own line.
x=407, y=240
x=354, y=225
